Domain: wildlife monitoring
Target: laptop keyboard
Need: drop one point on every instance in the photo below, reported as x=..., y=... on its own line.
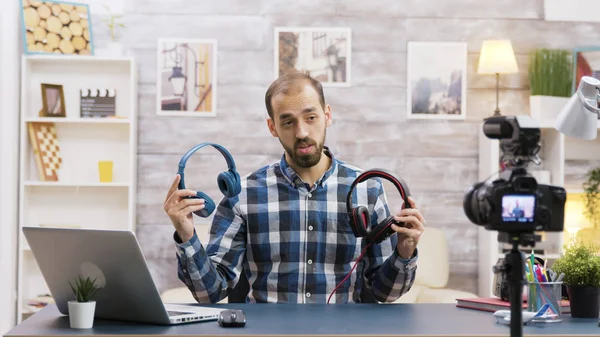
x=177, y=313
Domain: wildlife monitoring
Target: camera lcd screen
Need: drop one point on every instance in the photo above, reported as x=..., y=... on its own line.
x=518, y=208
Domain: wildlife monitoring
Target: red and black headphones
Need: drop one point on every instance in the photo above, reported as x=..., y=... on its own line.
x=359, y=216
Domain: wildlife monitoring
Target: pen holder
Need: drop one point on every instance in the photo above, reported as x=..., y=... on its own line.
x=541, y=293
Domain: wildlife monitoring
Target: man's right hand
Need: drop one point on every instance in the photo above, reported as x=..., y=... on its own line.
x=180, y=209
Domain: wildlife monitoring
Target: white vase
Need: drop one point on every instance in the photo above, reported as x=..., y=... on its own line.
x=81, y=314
x=545, y=109
x=112, y=49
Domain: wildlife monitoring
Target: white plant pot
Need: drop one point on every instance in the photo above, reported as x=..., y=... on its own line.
x=114, y=49
x=81, y=314
x=545, y=109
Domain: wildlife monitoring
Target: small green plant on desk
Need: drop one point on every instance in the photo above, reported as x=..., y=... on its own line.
x=84, y=289
x=82, y=309
x=580, y=265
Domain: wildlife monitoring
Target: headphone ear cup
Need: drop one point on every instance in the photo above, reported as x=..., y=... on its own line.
x=229, y=183
x=209, y=205
x=238, y=183
x=382, y=231
x=360, y=221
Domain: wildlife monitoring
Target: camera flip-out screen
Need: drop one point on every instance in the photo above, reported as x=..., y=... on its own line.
x=518, y=208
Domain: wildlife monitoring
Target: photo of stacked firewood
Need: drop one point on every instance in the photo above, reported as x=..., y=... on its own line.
x=56, y=27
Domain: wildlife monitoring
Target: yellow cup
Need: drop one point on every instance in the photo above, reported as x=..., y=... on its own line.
x=105, y=168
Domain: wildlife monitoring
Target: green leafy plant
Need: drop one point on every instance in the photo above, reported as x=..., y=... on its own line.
x=84, y=288
x=591, y=189
x=550, y=72
x=580, y=263
x=112, y=22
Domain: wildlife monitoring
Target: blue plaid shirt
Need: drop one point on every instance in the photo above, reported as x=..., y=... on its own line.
x=294, y=243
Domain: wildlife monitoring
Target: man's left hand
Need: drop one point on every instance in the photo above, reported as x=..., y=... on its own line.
x=408, y=236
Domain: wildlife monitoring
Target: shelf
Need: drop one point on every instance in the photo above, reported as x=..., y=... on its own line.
x=74, y=58
x=78, y=120
x=78, y=199
x=74, y=184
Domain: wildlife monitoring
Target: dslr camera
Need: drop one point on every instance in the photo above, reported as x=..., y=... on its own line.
x=514, y=202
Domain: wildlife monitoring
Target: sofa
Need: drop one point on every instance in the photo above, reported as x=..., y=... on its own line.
x=430, y=283
x=433, y=272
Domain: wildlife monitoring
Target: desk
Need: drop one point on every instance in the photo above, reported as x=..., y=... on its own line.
x=316, y=319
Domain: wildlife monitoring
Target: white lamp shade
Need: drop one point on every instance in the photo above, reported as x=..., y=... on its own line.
x=497, y=57
x=579, y=117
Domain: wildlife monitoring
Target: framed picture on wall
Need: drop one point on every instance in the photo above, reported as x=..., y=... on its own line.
x=436, y=80
x=323, y=52
x=187, y=77
x=56, y=27
x=586, y=62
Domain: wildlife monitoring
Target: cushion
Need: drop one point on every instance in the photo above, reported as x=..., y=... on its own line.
x=433, y=265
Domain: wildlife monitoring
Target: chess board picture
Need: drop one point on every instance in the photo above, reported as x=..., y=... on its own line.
x=46, y=150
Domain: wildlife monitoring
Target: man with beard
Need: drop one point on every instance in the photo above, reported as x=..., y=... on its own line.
x=288, y=230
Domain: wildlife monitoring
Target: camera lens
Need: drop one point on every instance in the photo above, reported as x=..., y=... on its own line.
x=471, y=204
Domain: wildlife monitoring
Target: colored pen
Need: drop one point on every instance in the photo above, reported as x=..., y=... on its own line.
x=532, y=258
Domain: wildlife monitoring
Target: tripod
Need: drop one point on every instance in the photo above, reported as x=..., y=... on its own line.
x=514, y=267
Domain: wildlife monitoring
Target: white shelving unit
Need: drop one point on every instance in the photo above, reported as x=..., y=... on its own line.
x=78, y=198
x=556, y=150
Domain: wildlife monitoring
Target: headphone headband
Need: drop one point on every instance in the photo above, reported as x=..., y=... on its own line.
x=228, y=181
x=398, y=182
x=224, y=152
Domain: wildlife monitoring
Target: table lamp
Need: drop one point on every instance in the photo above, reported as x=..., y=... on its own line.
x=497, y=57
x=579, y=117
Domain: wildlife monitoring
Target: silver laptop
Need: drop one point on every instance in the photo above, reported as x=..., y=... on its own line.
x=115, y=259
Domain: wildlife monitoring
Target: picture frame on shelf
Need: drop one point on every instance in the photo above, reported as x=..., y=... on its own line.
x=324, y=52
x=53, y=101
x=56, y=27
x=586, y=62
x=187, y=77
x=436, y=87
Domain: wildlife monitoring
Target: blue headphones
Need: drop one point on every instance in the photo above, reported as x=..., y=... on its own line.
x=228, y=181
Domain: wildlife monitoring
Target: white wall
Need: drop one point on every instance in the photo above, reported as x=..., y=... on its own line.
x=9, y=128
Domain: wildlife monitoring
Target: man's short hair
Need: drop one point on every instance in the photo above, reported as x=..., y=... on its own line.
x=289, y=81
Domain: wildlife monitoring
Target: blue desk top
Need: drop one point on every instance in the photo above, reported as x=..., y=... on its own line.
x=316, y=319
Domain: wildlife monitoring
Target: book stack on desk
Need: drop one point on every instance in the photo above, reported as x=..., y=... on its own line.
x=492, y=304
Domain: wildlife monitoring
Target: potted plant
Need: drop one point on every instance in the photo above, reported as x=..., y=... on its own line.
x=82, y=310
x=580, y=264
x=113, y=48
x=550, y=79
